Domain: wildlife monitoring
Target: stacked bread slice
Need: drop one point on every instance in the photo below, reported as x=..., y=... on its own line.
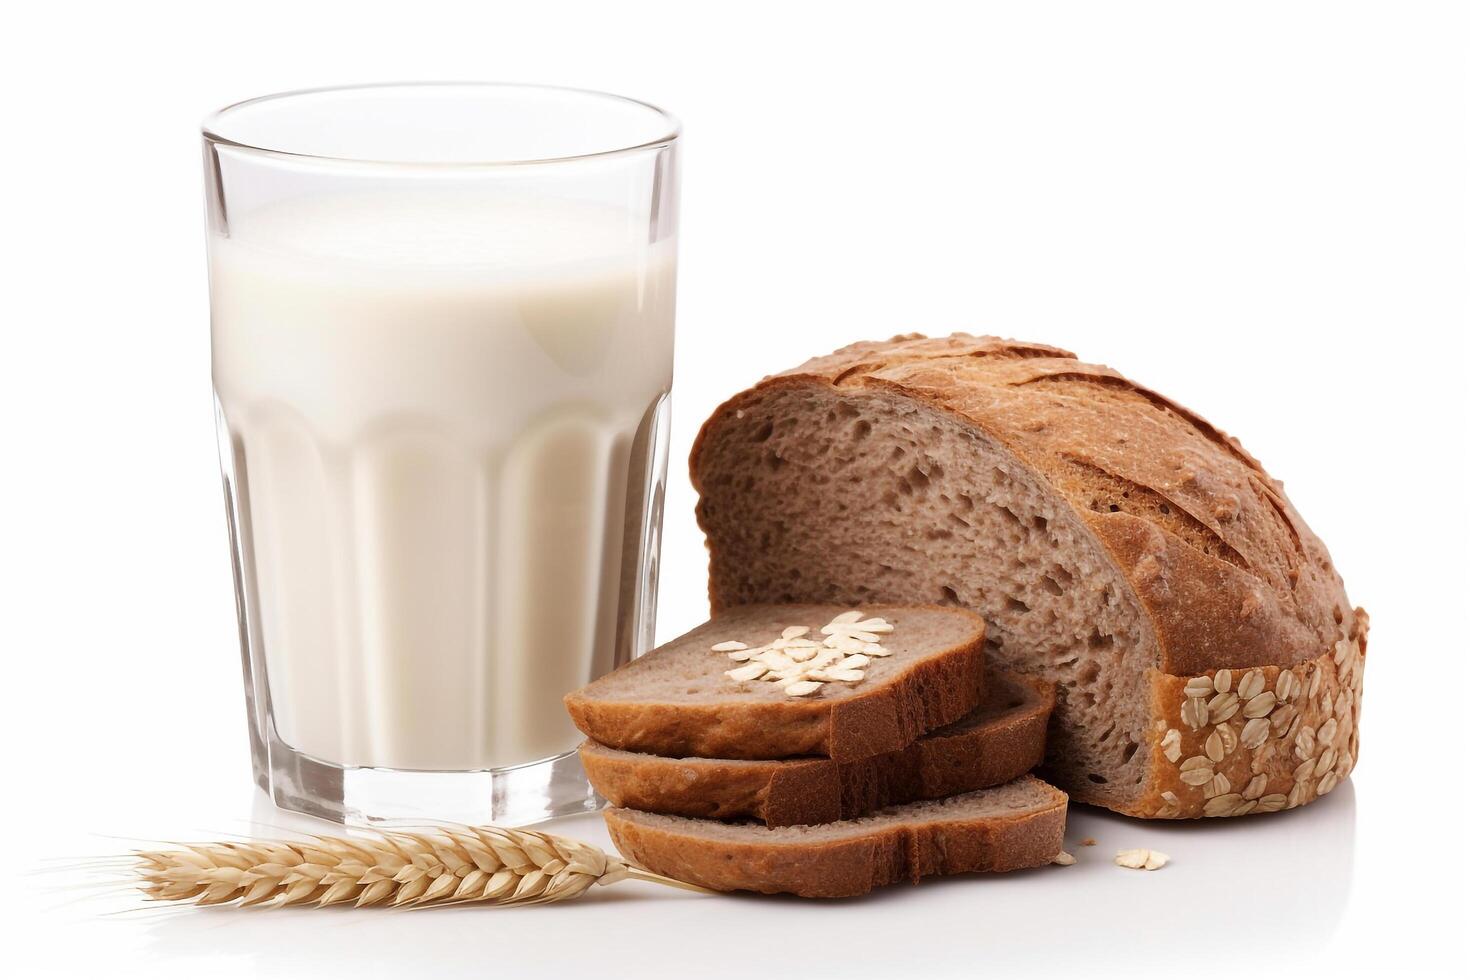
x=822, y=751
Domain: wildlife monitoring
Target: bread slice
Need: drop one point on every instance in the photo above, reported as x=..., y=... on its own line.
x=997, y=742
x=1116, y=543
x=1004, y=828
x=677, y=701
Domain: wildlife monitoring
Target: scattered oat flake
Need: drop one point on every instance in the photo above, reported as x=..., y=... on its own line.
x=1141, y=859
x=1064, y=859
x=1088, y=842
x=728, y=646
x=747, y=673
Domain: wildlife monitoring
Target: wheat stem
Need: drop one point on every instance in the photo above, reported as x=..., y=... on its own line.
x=490, y=865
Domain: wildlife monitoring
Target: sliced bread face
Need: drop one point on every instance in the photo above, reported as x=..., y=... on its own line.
x=1116, y=544
x=1017, y=825
x=999, y=741
x=678, y=700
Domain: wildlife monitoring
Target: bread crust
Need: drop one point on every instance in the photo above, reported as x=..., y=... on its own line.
x=849, y=866
x=1007, y=743
x=1216, y=756
x=1219, y=562
x=878, y=718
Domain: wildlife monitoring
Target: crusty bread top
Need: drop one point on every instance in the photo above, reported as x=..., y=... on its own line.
x=1227, y=571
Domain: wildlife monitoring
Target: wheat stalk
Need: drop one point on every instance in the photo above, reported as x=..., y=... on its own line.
x=493, y=865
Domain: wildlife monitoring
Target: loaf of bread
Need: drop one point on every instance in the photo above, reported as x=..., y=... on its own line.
x=1018, y=825
x=1208, y=662
x=679, y=701
x=1002, y=739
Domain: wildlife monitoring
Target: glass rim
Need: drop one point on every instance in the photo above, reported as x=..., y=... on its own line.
x=211, y=129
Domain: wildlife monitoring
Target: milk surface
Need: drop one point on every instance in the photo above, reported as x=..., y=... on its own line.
x=442, y=412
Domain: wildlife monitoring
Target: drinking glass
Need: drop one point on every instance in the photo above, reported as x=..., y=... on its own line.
x=442, y=333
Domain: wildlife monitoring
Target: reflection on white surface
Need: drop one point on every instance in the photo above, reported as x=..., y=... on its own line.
x=1277, y=884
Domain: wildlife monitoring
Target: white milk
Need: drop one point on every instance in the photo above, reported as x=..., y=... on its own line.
x=434, y=406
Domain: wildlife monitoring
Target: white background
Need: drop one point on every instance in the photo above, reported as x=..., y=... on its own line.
x=1259, y=209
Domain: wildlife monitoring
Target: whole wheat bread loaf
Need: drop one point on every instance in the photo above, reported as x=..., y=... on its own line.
x=677, y=700
x=1017, y=825
x=1208, y=662
x=997, y=742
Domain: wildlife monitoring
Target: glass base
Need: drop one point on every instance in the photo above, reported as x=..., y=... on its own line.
x=512, y=797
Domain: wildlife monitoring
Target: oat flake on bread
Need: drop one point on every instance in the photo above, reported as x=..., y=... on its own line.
x=803, y=665
x=1207, y=658
x=676, y=701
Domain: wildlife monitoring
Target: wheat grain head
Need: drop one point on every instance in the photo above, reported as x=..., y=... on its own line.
x=491, y=865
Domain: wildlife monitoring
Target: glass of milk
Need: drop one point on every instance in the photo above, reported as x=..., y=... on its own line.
x=443, y=329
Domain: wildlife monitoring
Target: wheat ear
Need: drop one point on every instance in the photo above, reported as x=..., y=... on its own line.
x=491, y=865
